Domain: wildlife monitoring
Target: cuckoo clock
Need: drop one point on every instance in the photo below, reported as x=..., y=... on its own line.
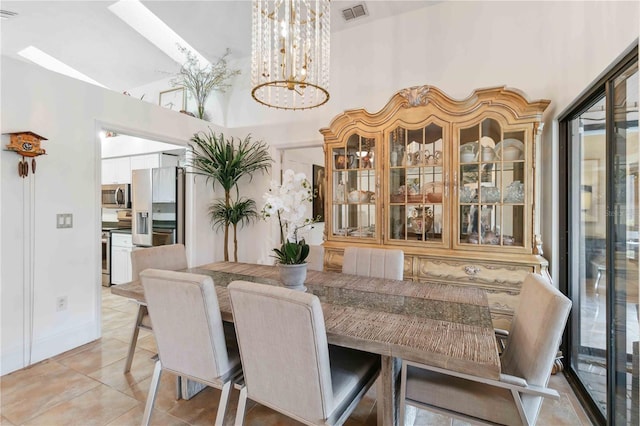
x=26, y=144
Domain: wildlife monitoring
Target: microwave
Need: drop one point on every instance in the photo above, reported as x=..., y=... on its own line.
x=116, y=196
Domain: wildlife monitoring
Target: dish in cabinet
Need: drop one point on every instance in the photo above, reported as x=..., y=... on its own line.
x=509, y=143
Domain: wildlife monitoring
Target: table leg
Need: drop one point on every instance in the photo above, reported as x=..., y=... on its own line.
x=142, y=311
x=388, y=391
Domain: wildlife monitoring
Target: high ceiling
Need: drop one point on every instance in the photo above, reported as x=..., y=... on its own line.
x=87, y=36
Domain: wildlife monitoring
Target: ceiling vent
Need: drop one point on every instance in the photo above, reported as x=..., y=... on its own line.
x=353, y=12
x=6, y=14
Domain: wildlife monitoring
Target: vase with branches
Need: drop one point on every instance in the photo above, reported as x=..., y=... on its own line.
x=200, y=80
x=224, y=161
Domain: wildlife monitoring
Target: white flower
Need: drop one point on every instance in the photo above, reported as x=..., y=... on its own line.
x=287, y=201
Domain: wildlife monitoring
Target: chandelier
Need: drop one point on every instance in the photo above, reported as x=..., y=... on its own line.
x=290, y=53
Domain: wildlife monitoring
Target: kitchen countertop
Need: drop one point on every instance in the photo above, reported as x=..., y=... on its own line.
x=166, y=224
x=121, y=231
x=114, y=226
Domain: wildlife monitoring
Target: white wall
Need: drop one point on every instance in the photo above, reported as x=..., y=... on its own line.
x=39, y=262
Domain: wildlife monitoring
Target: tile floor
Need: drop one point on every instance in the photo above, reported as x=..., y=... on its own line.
x=86, y=386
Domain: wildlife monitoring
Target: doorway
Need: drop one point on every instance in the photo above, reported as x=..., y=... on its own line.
x=310, y=161
x=600, y=234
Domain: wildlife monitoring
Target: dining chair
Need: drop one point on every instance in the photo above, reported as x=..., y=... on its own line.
x=288, y=365
x=170, y=257
x=373, y=262
x=526, y=362
x=316, y=258
x=189, y=332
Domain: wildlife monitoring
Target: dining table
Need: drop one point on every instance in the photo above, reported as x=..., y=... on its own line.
x=442, y=325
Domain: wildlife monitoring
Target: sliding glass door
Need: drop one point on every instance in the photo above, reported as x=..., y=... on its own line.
x=623, y=254
x=600, y=149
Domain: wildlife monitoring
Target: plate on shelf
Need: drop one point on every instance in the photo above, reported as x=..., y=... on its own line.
x=507, y=143
x=486, y=141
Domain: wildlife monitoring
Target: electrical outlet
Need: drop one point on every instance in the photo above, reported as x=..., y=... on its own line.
x=61, y=303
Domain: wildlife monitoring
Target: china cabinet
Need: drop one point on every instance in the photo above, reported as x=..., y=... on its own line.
x=451, y=182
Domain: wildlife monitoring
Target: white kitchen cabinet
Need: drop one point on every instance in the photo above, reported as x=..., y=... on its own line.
x=168, y=160
x=149, y=161
x=152, y=161
x=116, y=170
x=121, y=247
x=164, y=185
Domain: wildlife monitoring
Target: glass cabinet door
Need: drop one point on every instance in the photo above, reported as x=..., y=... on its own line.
x=491, y=185
x=417, y=188
x=354, y=188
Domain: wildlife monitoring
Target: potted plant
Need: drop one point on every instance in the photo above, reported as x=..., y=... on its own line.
x=226, y=161
x=201, y=80
x=288, y=202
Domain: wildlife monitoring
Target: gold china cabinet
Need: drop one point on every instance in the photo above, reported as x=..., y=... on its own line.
x=451, y=182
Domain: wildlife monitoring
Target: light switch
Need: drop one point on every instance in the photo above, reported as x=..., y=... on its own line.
x=64, y=220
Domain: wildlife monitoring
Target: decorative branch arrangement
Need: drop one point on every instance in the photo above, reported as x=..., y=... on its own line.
x=201, y=80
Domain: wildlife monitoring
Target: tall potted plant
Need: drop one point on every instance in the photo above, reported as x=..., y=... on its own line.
x=288, y=202
x=200, y=80
x=225, y=161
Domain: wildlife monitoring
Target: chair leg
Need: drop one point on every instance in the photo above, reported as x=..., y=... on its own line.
x=403, y=394
x=142, y=310
x=222, y=405
x=242, y=404
x=520, y=407
x=153, y=391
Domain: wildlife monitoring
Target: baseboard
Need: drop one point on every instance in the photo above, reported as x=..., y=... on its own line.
x=49, y=346
x=11, y=359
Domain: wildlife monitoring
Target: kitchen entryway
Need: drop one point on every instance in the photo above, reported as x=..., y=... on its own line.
x=122, y=154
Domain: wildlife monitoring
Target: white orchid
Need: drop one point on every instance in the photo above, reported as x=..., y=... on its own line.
x=288, y=201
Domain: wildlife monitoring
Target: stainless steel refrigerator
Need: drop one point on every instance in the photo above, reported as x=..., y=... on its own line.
x=158, y=206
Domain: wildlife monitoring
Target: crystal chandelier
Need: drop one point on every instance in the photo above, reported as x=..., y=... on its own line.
x=290, y=53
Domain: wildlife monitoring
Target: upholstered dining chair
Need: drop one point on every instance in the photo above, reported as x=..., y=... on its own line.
x=373, y=262
x=287, y=363
x=170, y=257
x=189, y=332
x=526, y=363
x=316, y=258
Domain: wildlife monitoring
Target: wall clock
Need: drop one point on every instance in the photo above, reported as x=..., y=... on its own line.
x=27, y=144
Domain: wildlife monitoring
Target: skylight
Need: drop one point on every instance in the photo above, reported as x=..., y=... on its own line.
x=141, y=19
x=47, y=61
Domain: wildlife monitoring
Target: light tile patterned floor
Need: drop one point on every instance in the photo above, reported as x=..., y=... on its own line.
x=86, y=386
